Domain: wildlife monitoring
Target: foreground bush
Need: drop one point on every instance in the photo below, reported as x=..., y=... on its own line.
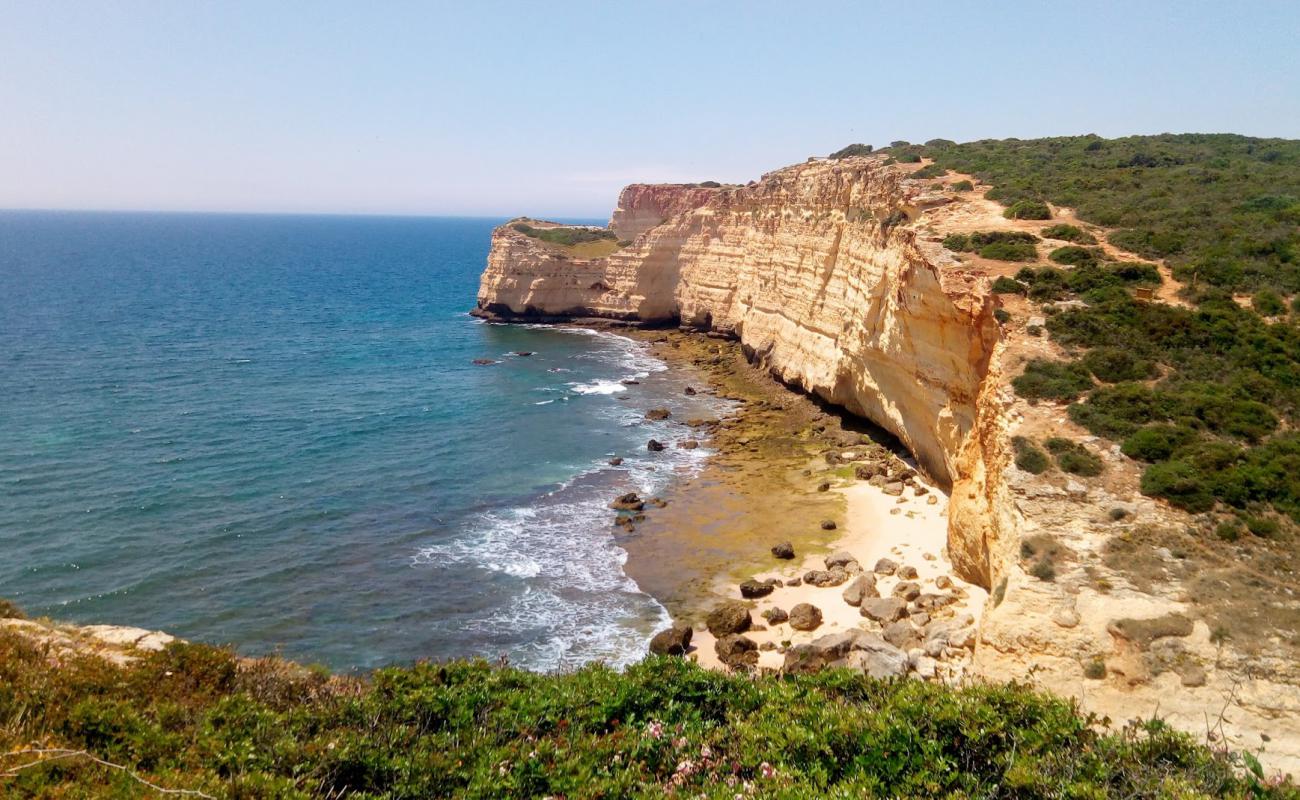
x=192, y=718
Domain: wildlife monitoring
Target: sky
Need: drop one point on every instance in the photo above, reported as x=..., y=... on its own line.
x=548, y=108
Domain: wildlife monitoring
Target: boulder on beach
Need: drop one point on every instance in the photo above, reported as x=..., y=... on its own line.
x=885, y=566
x=674, y=641
x=895, y=488
x=824, y=486
x=728, y=618
x=753, y=588
x=823, y=578
x=883, y=609
x=853, y=649
x=783, y=550
x=737, y=652
x=865, y=472
x=689, y=444
x=805, y=617
x=840, y=558
x=658, y=413
x=775, y=615
x=628, y=502
x=908, y=590
x=900, y=634
x=906, y=573
x=862, y=587
x=615, y=461
x=828, y=525
x=654, y=446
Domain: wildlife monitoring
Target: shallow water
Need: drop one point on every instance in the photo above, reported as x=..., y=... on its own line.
x=268, y=431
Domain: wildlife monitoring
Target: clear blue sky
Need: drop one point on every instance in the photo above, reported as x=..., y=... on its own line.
x=547, y=108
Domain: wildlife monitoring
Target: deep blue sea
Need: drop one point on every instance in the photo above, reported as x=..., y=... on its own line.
x=267, y=431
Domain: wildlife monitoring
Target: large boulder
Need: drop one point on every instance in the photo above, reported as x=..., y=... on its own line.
x=823, y=578
x=805, y=617
x=908, y=590
x=883, y=609
x=775, y=615
x=907, y=573
x=674, y=641
x=840, y=558
x=862, y=587
x=820, y=652
x=628, y=502
x=654, y=446
x=754, y=588
x=900, y=634
x=783, y=550
x=658, y=413
x=876, y=658
x=885, y=566
x=728, y=618
x=737, y=652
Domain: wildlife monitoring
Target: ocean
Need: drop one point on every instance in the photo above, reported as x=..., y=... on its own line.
x=268, y=431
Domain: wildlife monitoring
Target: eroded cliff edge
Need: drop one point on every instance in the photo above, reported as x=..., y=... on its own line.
x=832, y=275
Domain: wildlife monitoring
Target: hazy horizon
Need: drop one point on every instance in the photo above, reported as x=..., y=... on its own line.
x=503, y=110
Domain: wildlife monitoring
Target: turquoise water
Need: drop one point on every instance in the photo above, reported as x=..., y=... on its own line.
x=268, y=431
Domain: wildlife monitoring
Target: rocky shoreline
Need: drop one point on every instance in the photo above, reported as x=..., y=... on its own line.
x=796, y=603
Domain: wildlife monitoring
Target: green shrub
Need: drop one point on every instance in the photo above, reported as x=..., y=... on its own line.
x=1054, y=380
x=963, y=186
x=1069, y=233
x=1009, y=251
x=1180, y=484
x=930, y=171
x=1156, y=442
x=852, y=150
x=1001, y=315
x=1028, y=209
x=1074, y=458
x=1073, y=255
x=1263, y=527
x=473, y=730
x=1228, y=531
x=1113, y=365
x=1005, y=285
x=1029, y=457
x=1268, y=302
x=1095, y=669
x=909, y=158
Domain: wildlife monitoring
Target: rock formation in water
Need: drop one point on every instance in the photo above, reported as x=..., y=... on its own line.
x=832, y=274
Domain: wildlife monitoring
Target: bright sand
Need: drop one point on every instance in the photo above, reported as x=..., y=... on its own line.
x=916, y=535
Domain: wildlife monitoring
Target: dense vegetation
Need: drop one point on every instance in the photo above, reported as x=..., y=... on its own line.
x=193, y=718
x=1208, y=396
x=1223, y=209
x=565, y=236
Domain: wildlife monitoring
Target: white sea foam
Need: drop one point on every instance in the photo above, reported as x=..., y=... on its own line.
x=598, y=387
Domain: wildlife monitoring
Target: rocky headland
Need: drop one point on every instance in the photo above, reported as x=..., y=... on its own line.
x=832, y=277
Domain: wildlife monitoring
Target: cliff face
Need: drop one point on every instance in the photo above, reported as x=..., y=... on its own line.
x=642, y=206
x=831, y=274
x=811, y=270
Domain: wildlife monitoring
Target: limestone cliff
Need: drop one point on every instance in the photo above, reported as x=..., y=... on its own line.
x=831, y=274
x=813, y=270
x=642, y=206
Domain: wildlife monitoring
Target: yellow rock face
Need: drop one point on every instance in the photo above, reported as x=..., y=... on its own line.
x=812, y=268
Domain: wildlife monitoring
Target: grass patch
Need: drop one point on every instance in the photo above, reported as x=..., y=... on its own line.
x=1028, y=209
x=1069, y=233
x=566, y=237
